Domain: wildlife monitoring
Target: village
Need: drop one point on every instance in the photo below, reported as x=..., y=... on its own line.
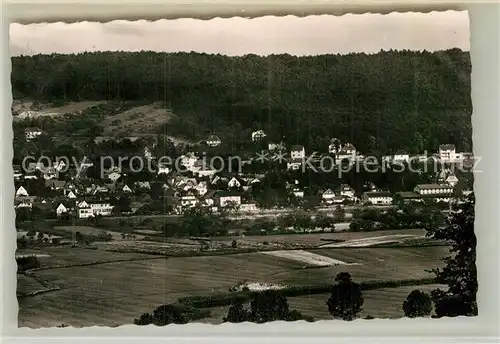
x=63, y=189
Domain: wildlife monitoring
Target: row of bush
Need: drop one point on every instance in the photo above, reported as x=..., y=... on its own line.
x=225, y=299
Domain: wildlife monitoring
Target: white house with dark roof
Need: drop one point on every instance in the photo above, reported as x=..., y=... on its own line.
x=61, y=209
x=234, y=183
x=328, y=196
x=377, y=197
x=401, y=156
x=223, y=199
x=346, y=191
x=32, y=132
x=214, y=141
x=433, y=189
x=297, y=152
x=447, y=153
x=21, y=192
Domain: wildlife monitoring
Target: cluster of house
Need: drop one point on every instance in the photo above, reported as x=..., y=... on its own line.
x=202, y=185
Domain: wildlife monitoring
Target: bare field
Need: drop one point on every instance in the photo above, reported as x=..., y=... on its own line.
x=70, y=108
x=59, y=256
x=88, y=230
x=115, y=293
x=139, y=119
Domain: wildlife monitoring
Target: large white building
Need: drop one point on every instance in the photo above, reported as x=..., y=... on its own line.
x=86, y=210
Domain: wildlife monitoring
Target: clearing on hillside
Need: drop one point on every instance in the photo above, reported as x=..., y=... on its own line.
x=115, y=293
x=138, y=120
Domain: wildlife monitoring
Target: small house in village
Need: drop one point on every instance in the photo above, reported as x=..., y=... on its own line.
x=32, y=132
x=90, y=209
x=328, y=196
x=334, y=146
x=297, y=152
x=401, y=156
x=275, y=146
x=447, y=153
x=114, y=176
x=188, y=200
x=214, y=141
x=433, y=189
x=21, y=192
x=346, y=191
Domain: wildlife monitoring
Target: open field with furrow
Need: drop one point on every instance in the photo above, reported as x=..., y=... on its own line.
x=380, y=303
x=58, y=256
x=317, y=239
x=139, y=119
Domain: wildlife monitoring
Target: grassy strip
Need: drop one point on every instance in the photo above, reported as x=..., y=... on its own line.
x=91, y=264
x=226, y=299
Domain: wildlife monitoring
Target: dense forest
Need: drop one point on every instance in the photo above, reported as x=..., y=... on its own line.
x=382, y=102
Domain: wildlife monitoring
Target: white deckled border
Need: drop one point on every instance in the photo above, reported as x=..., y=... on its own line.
x=485, y=92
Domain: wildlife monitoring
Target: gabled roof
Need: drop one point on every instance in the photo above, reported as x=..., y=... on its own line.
x=213, y=138
x=401, y=152
x=346, y=187
x=447, y=147
x=296, y=148
x=55, y=183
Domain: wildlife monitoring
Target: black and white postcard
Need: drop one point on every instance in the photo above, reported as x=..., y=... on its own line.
x=243, y=170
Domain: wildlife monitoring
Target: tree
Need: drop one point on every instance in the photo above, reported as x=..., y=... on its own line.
x=302, y=222
x=236, y=313
x=346, y=299
x=459, y=272
x=417, y=304
x=269, y=306
x=169, y=314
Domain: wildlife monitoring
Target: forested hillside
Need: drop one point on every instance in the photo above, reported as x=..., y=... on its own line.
x=383, y=102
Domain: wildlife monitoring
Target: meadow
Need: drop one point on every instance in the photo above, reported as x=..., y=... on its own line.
x=114, y=291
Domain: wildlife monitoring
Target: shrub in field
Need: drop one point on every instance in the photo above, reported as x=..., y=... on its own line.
x=171, y=314
x=27, y=262
x=417, y=304
x=346, y=298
